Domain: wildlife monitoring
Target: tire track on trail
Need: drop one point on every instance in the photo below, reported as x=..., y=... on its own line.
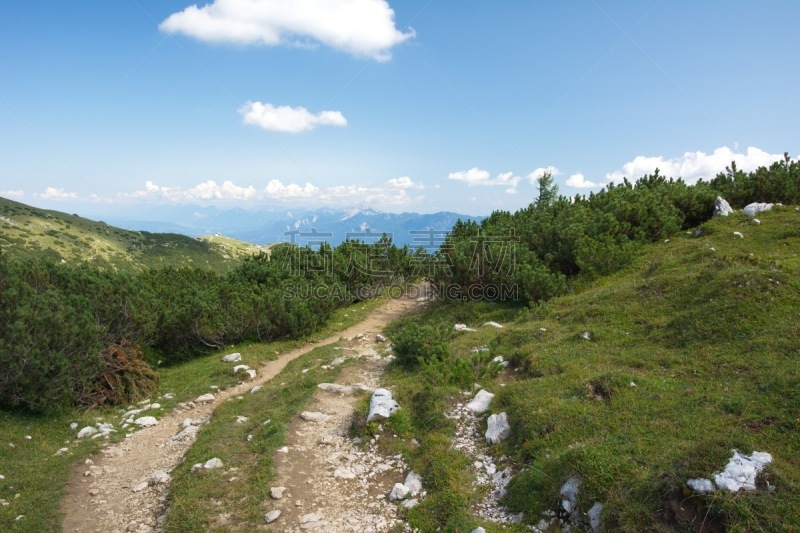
x=100, y=492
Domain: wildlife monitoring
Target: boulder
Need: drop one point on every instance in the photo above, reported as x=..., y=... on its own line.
x=159, y=477
x=701, y=485
x=380, y=338
x=480, y=402
x=276, y=493
x=497, y=428
x=205, y=398
x=238, y=368
x=381, y=406
x=594, y=516
x=232, y=358
x=741, y=471
x=569, y=493
x=721, y=207
x=271, y=516
x=753, y=209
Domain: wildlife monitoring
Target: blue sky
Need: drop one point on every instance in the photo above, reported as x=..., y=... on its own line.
x=403, y=106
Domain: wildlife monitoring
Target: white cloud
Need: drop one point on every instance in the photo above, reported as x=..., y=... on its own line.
x=475, y=177
x=692, y=166
x=404, y=183
x=359, y=27
x=16, y=193
x=288, y=119
x=277, y=190
x=580, y=182
x=539, y=172
x=53, y=193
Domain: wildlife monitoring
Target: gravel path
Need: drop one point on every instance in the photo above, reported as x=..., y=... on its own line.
x=113, y=491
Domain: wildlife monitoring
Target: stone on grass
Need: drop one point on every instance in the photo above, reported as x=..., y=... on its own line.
x=73, y=426
x=493, y=324
x=146, y=421
x=721, y=207
x=497, y=428
x=205, y=398
x=738, y=234
x=271, y=516
x=753, y=209
x=480, y=402
x=255, y=389
x=569, y=493
x=213, y=463
x=594, y=516
x=701, y=485
x=381, y=405
x=462, y=327
x=399, y=492
x=232, y=358
x=243, y=368
x=413, y=482
x=586, y=336
x=88, y=431
x=741, y=471
x=276, y=493
x=410, y=504
x=478, y=530
x=314, y=416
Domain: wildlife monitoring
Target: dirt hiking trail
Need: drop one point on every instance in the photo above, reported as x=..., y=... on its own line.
x=110, y=492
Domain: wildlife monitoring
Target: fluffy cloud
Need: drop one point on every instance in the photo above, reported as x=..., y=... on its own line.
x=475, y=177
x=539, y=172
x=16, y=193
x=692, y=166
x=360, y=27
x=404, y=183
x=580, y=182
x=277, y=190
x=288, y=119
x=52, y=193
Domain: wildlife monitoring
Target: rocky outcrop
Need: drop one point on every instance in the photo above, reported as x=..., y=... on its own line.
x=721, y=207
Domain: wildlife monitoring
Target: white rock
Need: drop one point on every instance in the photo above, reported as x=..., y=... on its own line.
x=478, y=530
x=285, y=449
x=159, y=477
x=251, y=373
x=701, y=485
x=493, y=324
x=204, y=398
x=88, y=431
x=188, y=433
x=741, y=471
x=569, y=491
x=62, y=450
x=497, y=428
x=146, y=421
x=132, y=412
x=500, y=361
x=381, y=405
x=753, y=209
x=586, y=336
x=380, y=338
x=414, y=483
x=241, y=419
x=399, y=492
x=462, y=327
x=232, y=358
x=309, y=518
x=169, y=396
x=314, y=416
x=2, y=477
x=344, y=473
x=480, y=402
x=237, y=368
x=756, y=221
x=255, y=389
x=594, y=516
x=738, y=234
x=722, y=207
x=410, y=504
x=213, y=463
x=336, y=362
x=73, y=426
x=141, y=486
x=276, y=493
x=271, y=516
x=196, y=467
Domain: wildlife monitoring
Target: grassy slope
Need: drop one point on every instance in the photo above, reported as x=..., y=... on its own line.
x=712, y=342
x=29, y=231
x=30, y=467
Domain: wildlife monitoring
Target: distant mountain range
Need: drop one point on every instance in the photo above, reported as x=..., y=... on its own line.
x=302, y=226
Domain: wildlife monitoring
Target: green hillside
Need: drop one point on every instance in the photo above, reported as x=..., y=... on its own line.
x=29, y=231
x=633, y=384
